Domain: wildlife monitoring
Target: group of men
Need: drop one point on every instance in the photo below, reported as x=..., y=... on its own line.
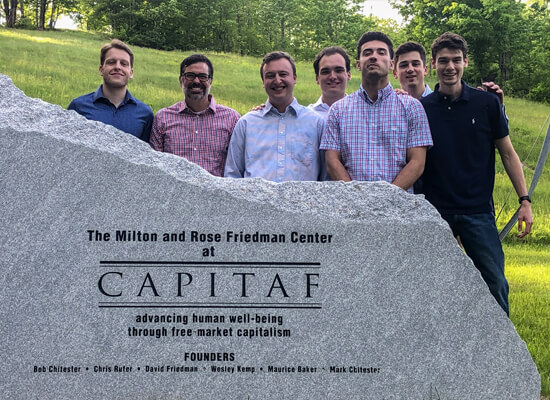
x=440, y=143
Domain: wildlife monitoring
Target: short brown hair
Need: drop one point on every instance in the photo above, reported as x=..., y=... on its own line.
x=409, y=47
x=116, y=44
x=329, y=51
x=277, y=55
x=449, y=40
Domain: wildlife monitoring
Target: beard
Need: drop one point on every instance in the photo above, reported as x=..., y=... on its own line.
x=189, y=93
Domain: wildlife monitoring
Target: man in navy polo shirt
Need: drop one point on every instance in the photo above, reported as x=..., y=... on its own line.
x=466, y=125
x=112, y=103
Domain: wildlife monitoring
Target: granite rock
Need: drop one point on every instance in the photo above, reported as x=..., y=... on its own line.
x=129, y=273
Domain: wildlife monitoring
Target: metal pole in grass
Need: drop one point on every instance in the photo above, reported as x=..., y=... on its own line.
x=538, y=172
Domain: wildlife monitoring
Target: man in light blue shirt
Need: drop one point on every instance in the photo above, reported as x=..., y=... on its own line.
x=281, y=141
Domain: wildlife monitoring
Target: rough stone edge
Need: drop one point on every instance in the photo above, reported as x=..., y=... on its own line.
x=333, y=199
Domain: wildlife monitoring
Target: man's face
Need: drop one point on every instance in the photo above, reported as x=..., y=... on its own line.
x=196, y=89
x=333, y=76
x=116, y=69
x=410, y=70
x=374, y=61
x=279, y=81
x=449, y=65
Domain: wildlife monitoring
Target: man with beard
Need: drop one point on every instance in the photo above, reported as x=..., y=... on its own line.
x=112, y=103
x=375, y=134
x=280, y=142
x=196, y=128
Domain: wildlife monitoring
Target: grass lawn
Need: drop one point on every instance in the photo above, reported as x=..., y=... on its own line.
x=58, y=66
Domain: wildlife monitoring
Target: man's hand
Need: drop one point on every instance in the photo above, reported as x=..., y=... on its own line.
x=401, y=91
x=258, y=108
x=525, y=216
x=492, y=87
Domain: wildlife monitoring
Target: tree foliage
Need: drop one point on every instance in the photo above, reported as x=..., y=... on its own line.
x=509, y=40
x=246, y=26
x=506, y=38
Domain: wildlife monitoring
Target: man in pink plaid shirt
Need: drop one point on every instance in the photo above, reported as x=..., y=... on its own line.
x=374, y=134
x=196, y=128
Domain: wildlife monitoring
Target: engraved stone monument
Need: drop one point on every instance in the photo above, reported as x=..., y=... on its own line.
x=128, y=273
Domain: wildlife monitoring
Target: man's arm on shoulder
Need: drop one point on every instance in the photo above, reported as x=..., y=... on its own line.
x=512, y=165
x=416, y=159
x=235, y=163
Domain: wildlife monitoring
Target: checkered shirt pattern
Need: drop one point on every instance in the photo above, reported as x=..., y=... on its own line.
x=202, y=138
x=373, y=137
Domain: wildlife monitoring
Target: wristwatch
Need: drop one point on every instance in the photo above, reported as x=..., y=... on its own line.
x=524, y=198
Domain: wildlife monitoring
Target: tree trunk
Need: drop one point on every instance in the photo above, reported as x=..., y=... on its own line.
x=10, y=10
x=283, y=34
x=42, y=17
x=54, y=15
x=37, y=13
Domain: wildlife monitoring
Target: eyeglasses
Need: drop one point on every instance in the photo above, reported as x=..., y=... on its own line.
x=190, y=76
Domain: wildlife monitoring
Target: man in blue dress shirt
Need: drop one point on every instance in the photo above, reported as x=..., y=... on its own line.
x=280, y=142
x=112, y=103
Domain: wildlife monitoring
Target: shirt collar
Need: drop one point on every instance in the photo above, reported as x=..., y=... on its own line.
x=464, y=94
x=182, y=106
x=382, y=93
x=319, y=104
x=98, y=94
x=294, y=107
x=427, y=90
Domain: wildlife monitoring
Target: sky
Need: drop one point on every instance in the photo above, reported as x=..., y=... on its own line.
x=380, y=9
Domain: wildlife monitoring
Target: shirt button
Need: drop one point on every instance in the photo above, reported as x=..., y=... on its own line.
x=196, y=131
x=195, y=149
x=448, y=108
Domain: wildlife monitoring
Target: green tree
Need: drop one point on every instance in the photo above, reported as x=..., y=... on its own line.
x=494, y=30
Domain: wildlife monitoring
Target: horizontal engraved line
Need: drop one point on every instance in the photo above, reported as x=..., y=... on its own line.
x=210, y=264
x=207, y=305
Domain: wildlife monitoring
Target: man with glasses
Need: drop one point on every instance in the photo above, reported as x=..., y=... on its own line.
x=196, y=128
x=112, y=102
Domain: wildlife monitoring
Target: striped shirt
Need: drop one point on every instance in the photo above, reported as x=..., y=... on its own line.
x=201, y=137
x=277, y=146
x=373, y=137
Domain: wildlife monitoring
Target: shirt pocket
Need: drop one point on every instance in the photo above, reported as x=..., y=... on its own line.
x=392, y=142
x=301, y=149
